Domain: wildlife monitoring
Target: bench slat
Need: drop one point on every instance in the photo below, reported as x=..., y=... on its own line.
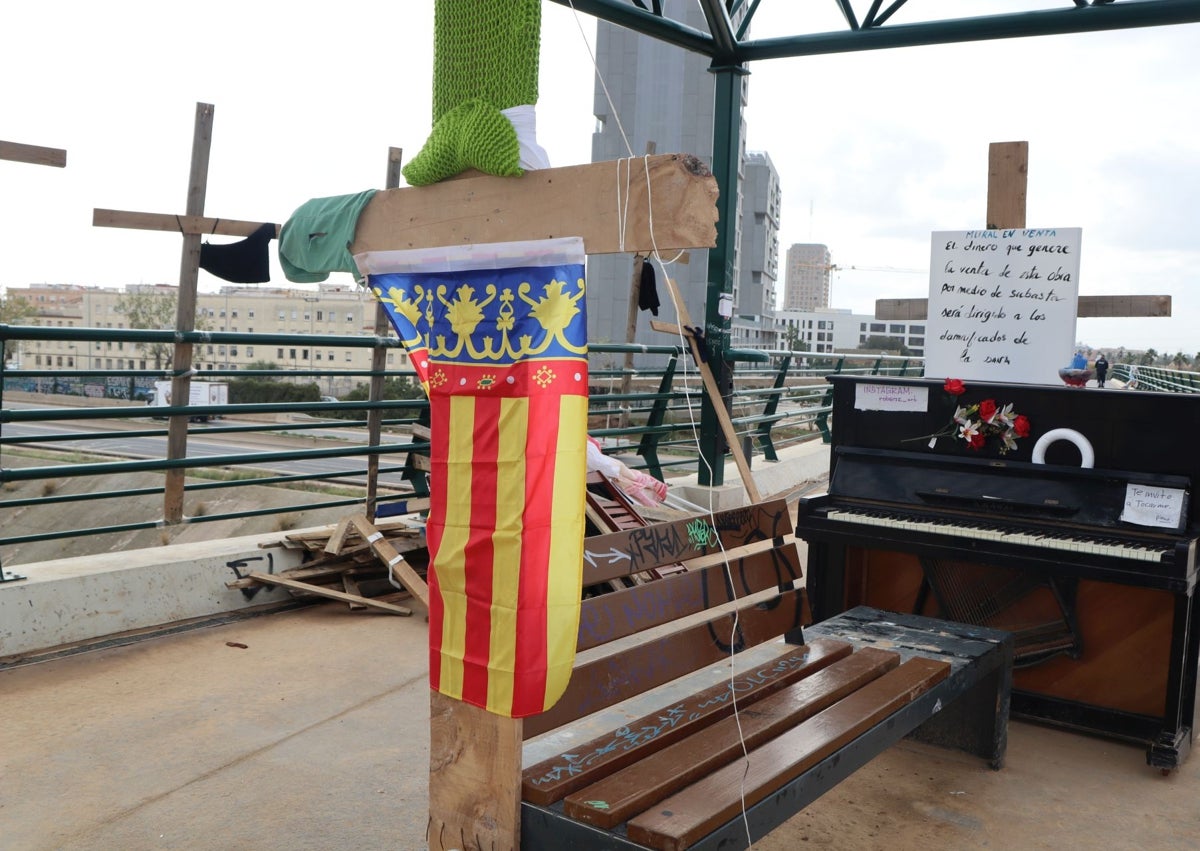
x=687, y=816
x=631, y=551
x=556, y=777
x=614, y=799
x=608, y=617
x=601, y=683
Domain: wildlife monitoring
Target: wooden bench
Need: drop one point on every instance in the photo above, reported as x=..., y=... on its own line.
x=675, y=677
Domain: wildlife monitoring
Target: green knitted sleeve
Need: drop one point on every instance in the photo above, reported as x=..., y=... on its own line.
x=485, y=59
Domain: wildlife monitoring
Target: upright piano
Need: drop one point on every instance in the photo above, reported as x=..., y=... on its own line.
x=1074, y=527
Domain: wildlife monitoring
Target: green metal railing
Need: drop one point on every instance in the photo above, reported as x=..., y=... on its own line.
x=57, y=425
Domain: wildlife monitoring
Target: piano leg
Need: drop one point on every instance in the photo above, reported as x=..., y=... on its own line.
x=1174, y=742
x=825, y=579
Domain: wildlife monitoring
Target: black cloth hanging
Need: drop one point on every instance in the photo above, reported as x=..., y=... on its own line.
x=245, y=262
x=648, y=289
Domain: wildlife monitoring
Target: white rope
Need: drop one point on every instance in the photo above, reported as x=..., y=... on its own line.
x=622, y=224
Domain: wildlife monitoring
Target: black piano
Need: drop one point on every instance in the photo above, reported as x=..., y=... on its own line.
x=1062, y=514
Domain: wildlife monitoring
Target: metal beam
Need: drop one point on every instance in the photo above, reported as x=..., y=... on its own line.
x=1080, y=19
x=730, y=48
x=656, y=26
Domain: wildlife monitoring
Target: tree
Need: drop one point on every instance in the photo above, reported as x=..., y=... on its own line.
x=155, y=310
x=877, y=343
x=15, y=310
x=792, y=341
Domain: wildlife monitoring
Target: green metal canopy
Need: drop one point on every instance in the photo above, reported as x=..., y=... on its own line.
x=869, y=25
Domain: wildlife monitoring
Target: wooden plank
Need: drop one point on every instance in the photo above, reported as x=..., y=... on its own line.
x=325, y=591
x=474, y=778
x=1090, y=306
x=394, y=561
x=33, y=154
x=630, y=551
x=1008, y=182
x=616, y=798
x=714, y=394
x=350, y=586
x=334, y=545
x=681, y=819
x=608, y=617
x=587, y=201
x=556, y=777
x=602, y=682
x=308, y=573
x=202, y=225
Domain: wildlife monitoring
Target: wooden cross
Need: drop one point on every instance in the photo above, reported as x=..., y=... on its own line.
x=1008, y=177
x=16, y=152
x=607, y=204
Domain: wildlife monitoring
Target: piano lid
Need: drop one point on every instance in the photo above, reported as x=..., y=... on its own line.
x=1130, y=433
x=1096, y=499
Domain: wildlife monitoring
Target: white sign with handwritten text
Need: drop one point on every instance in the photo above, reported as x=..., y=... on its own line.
x=1146, y=505
x=1002, y=304
x=888, y=397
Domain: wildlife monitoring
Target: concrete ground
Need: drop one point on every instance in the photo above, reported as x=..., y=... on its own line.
x=309, y=730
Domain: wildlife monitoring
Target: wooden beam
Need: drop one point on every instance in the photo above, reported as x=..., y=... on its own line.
x=326, y=591
x=33, y=154
x=1090, y=307
x=587, y=201
x=202, y=225
x=1008, y=183
x=395, y=562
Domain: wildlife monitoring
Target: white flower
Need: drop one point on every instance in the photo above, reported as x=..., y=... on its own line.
x=968, y=429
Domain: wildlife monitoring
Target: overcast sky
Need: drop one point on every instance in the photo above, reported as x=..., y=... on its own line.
x=875, y=150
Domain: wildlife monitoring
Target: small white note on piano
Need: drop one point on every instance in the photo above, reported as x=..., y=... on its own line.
x=1147, y=505
x=890, y=397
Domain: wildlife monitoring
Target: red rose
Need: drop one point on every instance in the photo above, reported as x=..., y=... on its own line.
x=1021, y=425
x=954, y=386
x=987, y=410
x=975, y=440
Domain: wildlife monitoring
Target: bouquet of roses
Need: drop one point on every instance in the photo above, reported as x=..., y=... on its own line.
x=977, y=424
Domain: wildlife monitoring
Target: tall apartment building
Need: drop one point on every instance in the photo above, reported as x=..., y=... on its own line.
x=753, y=323
x=332, y=310
x=806, y=281
x=662, y=96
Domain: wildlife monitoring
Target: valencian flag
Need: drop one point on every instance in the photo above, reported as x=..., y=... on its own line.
x=498, y=336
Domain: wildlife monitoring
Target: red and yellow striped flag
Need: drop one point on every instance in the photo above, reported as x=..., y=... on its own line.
x=497, y=334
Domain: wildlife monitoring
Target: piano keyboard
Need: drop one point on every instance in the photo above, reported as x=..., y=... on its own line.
x=1070, y=542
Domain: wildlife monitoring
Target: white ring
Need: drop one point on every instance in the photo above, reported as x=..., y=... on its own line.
x=1086, y=454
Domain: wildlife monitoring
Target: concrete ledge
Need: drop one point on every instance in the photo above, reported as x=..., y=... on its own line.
x=797, y=465
x=78, y=599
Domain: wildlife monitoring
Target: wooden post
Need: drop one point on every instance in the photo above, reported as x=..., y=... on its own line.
x=474, y=778
x=379, y=361
x=185, y=314
x=1008, y=181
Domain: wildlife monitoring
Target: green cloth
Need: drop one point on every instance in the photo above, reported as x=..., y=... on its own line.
x=485, y=59
x=316, y=239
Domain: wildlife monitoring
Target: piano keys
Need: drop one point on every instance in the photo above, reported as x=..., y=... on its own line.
x=1055, y=551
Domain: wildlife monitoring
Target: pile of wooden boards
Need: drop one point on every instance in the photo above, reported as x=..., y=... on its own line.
x=371, y=567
